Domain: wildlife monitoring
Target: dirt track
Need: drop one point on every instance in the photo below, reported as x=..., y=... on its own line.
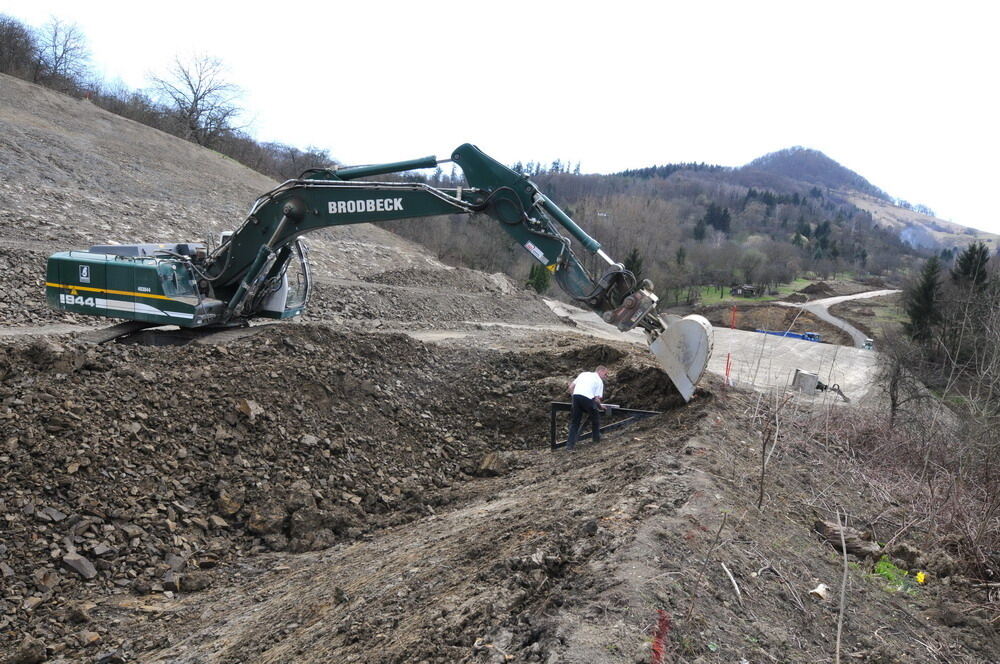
x=332, y=490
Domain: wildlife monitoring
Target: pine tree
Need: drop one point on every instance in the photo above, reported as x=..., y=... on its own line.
x=633, y=263
x=538, y=278
x=922, y=302
x=970, y=266
x=699, y=230
x=724, y=220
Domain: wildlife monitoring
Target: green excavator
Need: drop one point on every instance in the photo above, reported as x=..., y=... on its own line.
x=248, y=275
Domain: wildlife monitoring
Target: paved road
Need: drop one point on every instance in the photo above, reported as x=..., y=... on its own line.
x=821, y=309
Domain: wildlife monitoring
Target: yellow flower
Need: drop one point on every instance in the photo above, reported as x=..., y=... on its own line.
x=921, y=577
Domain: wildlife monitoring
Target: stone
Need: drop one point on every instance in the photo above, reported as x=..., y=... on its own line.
x=80, y=613
x=31, y=603
x=229, y=501
x=51, y=514
x=217, y=522
x=249, y=409
x=171, y=581
x=113, y=657
x=306, y=521
x=195, y=581
x=88, y=638
x=80, y=565
x=29, y=651
x=266, y=520
x=491, y=465
x=300, y=495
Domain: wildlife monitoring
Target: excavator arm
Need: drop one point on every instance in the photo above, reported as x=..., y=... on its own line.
x=246, y=276
x=324, y=198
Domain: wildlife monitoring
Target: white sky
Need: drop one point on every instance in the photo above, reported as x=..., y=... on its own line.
x=903, y=93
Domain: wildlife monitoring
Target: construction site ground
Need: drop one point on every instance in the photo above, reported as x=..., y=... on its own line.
x=374, y=483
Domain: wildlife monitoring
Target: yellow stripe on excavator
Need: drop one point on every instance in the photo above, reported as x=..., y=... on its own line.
x=153, y=296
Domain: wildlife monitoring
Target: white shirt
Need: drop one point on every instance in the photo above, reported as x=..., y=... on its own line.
x=588, y=384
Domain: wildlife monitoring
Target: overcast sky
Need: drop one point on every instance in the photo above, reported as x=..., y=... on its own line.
x=903, y=93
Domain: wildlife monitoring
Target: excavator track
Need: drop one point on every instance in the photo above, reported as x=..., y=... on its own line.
x=150, y=334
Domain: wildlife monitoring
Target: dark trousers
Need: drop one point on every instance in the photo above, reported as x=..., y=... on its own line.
x=581, y=405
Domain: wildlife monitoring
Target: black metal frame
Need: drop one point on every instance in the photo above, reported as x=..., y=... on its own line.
x=634, y=415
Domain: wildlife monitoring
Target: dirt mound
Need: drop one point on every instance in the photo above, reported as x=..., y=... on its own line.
x=134, y=469
x=818, y=290
x=875, y=283
x=751, y=317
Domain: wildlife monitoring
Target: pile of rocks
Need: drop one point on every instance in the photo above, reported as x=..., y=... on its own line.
x=133, y=469
x=22, y=291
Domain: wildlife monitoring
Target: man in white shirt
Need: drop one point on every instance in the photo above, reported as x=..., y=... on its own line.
x=587, y=390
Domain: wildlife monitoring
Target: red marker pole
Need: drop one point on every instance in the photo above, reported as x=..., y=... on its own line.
x=729, y=355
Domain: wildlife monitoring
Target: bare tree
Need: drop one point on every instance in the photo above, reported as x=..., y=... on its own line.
x=902, y=370
x=62, y=54
x=18, y=51
x=203, y=101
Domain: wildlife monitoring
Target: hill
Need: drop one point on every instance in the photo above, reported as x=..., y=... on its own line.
x=375, y=485
x=814, y=167
x=917, y=229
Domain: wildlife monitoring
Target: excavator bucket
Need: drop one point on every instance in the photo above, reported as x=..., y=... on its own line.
x=683, y=350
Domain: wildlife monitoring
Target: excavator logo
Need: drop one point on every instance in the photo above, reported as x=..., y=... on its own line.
x=365, y=205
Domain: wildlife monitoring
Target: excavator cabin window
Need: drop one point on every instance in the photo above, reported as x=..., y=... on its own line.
x=175, y=278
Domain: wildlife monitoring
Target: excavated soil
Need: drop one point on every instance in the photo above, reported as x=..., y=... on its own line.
x=751, y=317
x=336, y=490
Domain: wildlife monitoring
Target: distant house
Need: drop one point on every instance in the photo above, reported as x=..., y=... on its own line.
x=746, y=290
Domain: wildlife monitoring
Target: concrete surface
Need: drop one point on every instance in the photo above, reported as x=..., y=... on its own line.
x=759, y=361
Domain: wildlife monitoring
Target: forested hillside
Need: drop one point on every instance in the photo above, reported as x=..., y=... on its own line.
x=693, y=226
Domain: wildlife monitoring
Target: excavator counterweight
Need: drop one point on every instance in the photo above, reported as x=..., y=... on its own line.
x=260, y=270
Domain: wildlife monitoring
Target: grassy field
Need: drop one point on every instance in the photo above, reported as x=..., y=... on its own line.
x=710, y=296
x=875, y=317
